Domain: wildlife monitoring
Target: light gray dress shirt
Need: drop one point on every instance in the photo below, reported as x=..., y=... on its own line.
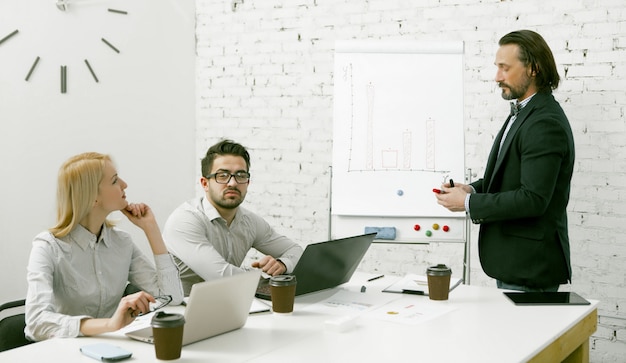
x=77, y=277
x=206, y=248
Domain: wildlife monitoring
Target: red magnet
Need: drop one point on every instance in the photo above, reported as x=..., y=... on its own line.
x=446, y=228
x=417, y=227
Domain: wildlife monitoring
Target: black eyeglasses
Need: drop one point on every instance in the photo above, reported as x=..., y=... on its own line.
x=223, y=177
x=161, y=301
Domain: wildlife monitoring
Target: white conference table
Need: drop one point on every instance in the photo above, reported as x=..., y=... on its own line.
x=476, y=324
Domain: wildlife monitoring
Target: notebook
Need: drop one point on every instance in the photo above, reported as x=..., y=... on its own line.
x=214, y=307
x=324, y=265
x=417, y=285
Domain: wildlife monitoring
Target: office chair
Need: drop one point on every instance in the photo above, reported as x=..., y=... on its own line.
x=12, y=327
x=131, y=289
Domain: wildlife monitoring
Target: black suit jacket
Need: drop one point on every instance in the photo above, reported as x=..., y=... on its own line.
x=521, y=200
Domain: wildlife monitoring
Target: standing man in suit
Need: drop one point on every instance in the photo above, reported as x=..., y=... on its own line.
x=520, y=203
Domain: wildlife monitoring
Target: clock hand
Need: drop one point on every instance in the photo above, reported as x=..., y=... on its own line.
x=9, y=36
x=63, y=4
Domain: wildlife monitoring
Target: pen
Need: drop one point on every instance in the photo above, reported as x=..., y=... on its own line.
x=412, y=292
x=375, y=278
x=451, y=183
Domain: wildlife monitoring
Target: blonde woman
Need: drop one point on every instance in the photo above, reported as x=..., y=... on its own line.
x=78, y=270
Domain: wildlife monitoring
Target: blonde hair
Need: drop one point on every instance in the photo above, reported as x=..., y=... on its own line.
x=78, y=185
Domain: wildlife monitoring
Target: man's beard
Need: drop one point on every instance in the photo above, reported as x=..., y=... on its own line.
x=228, y=203
x=515, y=92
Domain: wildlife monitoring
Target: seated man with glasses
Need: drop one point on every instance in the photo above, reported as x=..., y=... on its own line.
x=210, y=236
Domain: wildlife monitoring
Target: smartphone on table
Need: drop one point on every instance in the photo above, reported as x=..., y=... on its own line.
x=105, y=352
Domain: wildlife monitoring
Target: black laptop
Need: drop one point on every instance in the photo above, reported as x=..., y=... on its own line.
x=324, y=265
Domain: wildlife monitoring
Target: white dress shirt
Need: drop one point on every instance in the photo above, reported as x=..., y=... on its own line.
x=77, y=277
x=206, y=248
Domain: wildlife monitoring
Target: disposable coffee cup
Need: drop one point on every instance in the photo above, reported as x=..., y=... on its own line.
x=438, y=281
x=283, y=293
x=167, y=330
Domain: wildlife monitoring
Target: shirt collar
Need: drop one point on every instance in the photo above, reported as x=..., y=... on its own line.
x=523, y=103
x=84, y=238
x=210, y=210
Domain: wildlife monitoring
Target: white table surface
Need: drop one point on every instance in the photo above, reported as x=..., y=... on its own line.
x=482, y=326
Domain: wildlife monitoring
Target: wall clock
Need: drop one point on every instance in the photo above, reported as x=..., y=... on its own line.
x=58, y=31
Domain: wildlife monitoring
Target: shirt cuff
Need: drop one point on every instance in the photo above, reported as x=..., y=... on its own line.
x=281, y=261
x=289, y=265
x=74, y=328
x=467, y=201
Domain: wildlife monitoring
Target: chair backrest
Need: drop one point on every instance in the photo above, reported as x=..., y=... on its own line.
x=12, y=327
x=131, y=289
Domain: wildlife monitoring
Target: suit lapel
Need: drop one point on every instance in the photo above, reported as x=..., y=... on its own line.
x=495, y=161
x=493, y=155
x=509, y=137
x=499, y=157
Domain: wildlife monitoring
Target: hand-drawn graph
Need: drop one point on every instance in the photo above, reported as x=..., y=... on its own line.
x=398, y=127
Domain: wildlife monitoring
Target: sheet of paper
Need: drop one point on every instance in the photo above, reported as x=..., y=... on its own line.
x=259, y=306
x=139, y=323
x=350, y=303
x=409, y=311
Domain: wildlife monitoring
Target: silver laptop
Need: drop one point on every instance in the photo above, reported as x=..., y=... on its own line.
x=214, y=307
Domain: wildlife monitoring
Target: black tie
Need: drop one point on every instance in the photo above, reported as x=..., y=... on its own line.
x=515, y=108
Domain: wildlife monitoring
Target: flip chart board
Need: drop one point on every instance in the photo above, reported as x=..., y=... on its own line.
x=398, y=127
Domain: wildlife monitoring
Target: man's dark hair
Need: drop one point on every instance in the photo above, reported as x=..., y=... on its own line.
x=224, y=147
x=534, y=51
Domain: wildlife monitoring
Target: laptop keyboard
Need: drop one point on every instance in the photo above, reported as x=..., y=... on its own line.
x=263, y=289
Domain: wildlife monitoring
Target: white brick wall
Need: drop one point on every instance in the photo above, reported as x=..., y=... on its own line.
x=265, y=79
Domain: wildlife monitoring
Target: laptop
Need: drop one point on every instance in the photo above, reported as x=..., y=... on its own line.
x=214, y=307
x=324, y=265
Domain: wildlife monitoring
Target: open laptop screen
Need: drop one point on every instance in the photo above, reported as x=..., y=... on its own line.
x=327, y=264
